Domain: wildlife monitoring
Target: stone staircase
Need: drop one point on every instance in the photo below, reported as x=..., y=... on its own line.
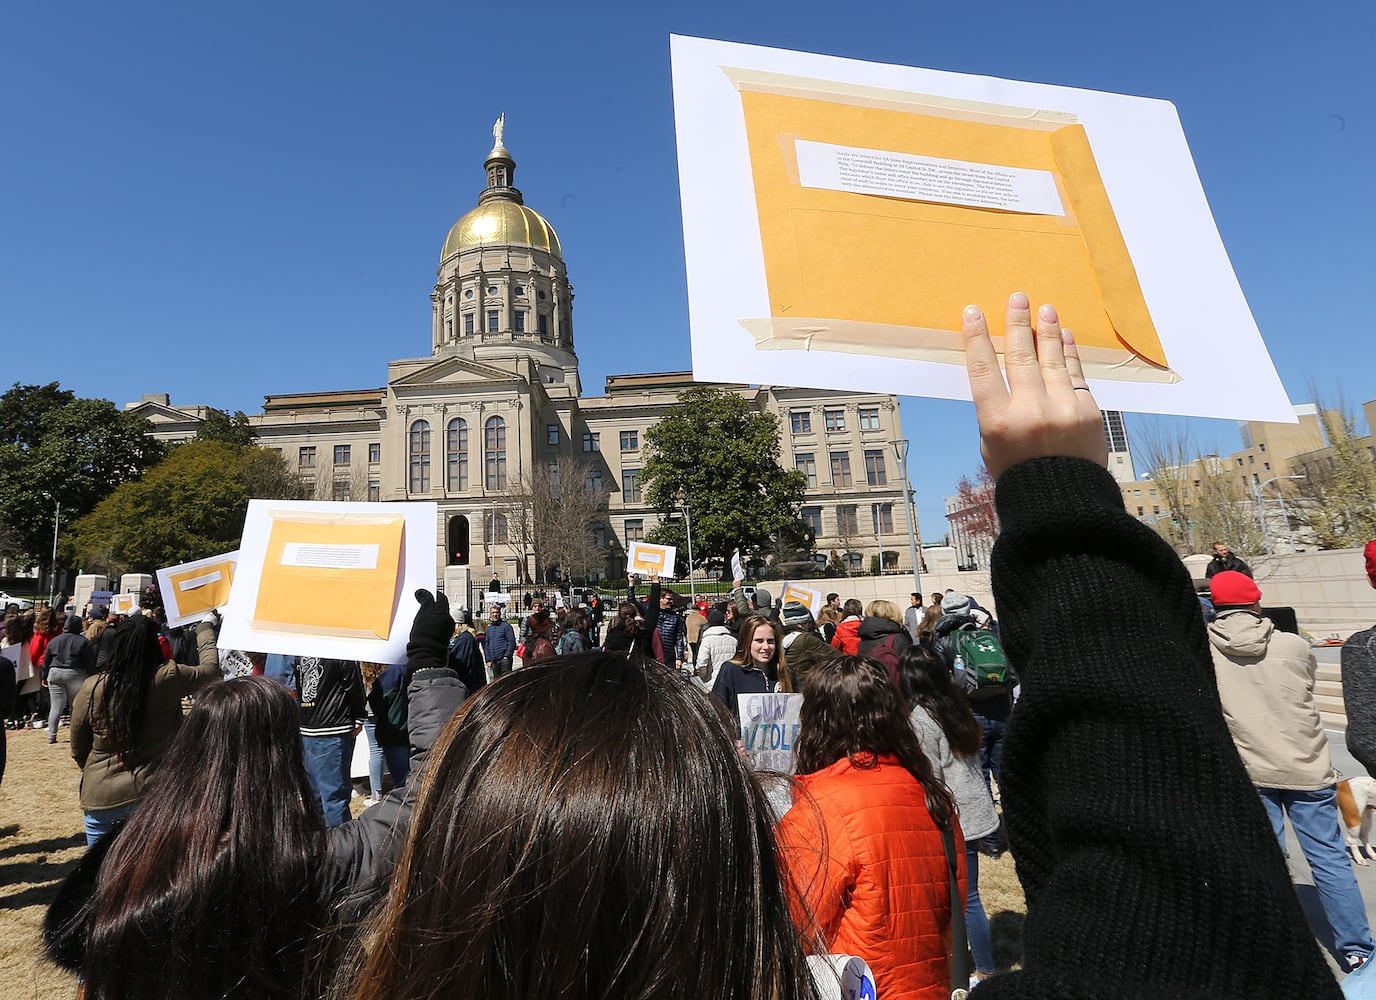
x=1328, y=695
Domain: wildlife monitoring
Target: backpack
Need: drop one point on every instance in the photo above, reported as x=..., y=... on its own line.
x=984, y=662
x=885, y=653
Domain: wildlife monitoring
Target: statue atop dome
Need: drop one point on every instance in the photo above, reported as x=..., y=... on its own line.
x=499, y=130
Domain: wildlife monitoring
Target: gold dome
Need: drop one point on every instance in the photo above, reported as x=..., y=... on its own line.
x=500, y=222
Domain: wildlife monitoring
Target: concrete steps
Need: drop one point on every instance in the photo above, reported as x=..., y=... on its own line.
x=1328, y=695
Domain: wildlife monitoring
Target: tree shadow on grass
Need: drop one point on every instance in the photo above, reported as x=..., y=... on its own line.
x=39, y=876
x=43, y=846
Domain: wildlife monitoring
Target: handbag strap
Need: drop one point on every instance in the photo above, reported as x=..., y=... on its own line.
x=960, y=951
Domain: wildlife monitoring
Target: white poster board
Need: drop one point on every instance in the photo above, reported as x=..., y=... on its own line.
x=334, y=579
x=813, y=599
x=769, y=730
x=648, y=560
x=124, y=604
x=838, y=215
x=193, y=589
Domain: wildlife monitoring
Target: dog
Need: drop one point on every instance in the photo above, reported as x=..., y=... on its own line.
x=1357, y=805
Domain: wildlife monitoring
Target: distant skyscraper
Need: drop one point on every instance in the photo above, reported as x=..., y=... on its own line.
x=1119, y=454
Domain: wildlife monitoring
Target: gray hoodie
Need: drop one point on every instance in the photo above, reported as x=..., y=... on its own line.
x=1266, y=684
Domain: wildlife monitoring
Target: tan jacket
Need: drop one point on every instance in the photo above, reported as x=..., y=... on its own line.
x=1266, y=683
x=106, y=782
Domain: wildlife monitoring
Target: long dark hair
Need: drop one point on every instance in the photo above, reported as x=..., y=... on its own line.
x=927, y=683
x=627, y=616
x=586, y=829
x=209, y=891
x=851, y=709
x=135, y=657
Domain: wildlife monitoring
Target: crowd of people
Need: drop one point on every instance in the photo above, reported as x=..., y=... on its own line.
x=586, y=826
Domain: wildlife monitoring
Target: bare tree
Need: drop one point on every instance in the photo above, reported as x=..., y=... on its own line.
x=1337, y=498
x=1200, y=498
x=975, y=521
x=554, y=515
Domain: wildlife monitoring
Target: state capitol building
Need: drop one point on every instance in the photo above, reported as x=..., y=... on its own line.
x=499, y=395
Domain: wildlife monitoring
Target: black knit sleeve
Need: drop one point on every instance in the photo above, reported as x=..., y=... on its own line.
x=1148, y=863
x=1359, y=697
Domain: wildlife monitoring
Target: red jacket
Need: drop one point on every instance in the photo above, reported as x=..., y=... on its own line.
x=847, y=637
x=881, y=891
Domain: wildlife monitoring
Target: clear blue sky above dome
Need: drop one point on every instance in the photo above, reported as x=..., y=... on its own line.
x=246, y=199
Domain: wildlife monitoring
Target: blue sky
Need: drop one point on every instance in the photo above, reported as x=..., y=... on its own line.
x=225, y=202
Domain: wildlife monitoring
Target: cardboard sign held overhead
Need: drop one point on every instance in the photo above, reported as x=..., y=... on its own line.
x=649, y=560
x=333, y=579
x=813, y=599
x=193, y=589
x=124, y=604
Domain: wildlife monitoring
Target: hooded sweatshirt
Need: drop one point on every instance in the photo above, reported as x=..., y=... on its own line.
x=1266, y=684
x=70, y=650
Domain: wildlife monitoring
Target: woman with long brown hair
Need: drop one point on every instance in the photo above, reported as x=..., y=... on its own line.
x=758, y=666
x=586, y=829
x=863, y=841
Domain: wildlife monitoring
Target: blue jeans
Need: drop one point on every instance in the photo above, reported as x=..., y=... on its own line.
x=327, y=765
x=99, y=822
x=1314, y=817
x=63, y=684
x=375, y=761
x=976, y=921
x=399, y=763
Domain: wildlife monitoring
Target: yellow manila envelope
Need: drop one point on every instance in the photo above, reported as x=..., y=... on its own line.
x=191, y=590
x=812, y=599
x=330, y=574
x=648, y=560
x=883, y=213
x=124, y=604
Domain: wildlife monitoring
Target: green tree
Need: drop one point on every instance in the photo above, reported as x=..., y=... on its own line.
x=722, y=456
x=56, y=448
x=189, y=506
x=221, y=426
x=1337, y=497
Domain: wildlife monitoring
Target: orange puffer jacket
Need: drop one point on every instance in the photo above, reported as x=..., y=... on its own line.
x=847, y=637
x=881, y=891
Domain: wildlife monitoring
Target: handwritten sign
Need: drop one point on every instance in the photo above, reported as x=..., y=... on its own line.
x=769, y=730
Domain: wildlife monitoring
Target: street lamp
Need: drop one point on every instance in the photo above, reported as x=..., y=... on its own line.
x=688, y=523
x=900, y=448
x=1257, y=489
x=52, y=566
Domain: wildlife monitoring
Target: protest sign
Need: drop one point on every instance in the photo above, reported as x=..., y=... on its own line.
x=648, y=560
x=769, y=730
x=332, y=579
x=191, y=590
x=805, y=179
x=124, y=604
x=813, y=599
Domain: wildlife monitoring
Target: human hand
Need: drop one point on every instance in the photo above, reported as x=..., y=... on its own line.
x=1045, y=408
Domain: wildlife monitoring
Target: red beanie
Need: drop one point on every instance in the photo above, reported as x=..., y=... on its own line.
x=1371, y=561
x=1231, y=587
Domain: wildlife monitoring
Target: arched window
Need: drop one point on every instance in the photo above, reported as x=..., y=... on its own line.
x=418, y=451
x=456, y=454
x=494, y=452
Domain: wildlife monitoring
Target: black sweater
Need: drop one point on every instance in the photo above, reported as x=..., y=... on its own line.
x=1148, y=862
x=1359, y=697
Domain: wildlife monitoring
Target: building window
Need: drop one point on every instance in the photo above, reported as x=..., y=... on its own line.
x=341, y=490
x=854, y=561
x=374, y=453
x=468, y=324
x=456, y=454
x=520, y=318
x=800, y=421
x=543, y=320
x=419, y=453
x=840, y=468
x=1261, y=446
x=593, y=484
x=592, y=442
x=635, y=530
x=1141, y=511
x=875, y=473
x=630, y=440
x=343, y=454
x=1266, y=466
x=551, y=434
x=630, y=486
x=599, y=534
x=835, y=419
x=812, y=518
x=1156, y=510
x=806, y=463
x=491, y=289
x=374, y=491
x=498, y=529
x=520, y=289
x=494, y=444
x=869, y=418
x=847, y=521
x=554, y=479
x=882, y=515
x=493, y=316
x=305, y=457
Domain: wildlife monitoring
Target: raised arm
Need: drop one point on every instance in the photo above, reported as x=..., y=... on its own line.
x=1148, y=863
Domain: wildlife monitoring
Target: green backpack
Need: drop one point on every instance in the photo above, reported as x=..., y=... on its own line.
x=986, y=666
